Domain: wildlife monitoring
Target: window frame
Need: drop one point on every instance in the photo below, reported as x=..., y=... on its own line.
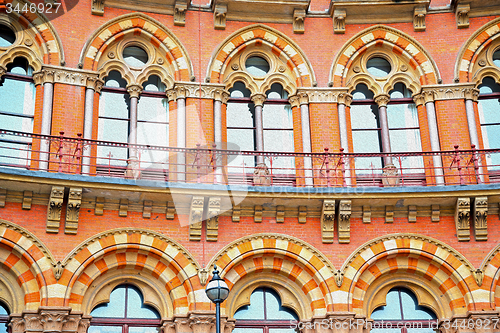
x=4, y=319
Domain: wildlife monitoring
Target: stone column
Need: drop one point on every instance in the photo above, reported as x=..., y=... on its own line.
x=306, y=136
x=93, y=85
x=344, y=100
x=45, y=77
x=471, y=95
x=261, y=173
x=220, y=97
x=180, y=96
x=382, y=101
x=427, y=97
x=133, y=168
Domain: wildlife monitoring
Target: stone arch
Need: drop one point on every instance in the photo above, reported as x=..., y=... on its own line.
x=25, y=258
x=36, y=32
x=165, y=263
x=21, y=51
x=442, y=268
x=404, y=78
x=298, y=263
x=490, y=268
x=296, y=63
x=467, y=64
x=171, y=53
x=367, y=80
x=415, y=57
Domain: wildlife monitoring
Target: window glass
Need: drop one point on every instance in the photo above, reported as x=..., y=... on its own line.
x=115, y=308
x=255, y=310
x=496, y=57
x=105, y=329
x=378, y=67
x=411, y=309
x=489, y=117
x=257, y=66
x=392, y=309
x=135, y=56
x=4, y=313
x=3, y=309
x=7, y=36
x=247, y=330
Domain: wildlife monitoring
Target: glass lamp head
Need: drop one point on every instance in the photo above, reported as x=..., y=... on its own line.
x=217, y=289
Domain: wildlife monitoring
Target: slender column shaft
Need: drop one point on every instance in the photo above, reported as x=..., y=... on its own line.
x=218, y=137
x=181, y=138
x=474, y=138
x=306, y=143
x=48, y=96
x=259, y=137
x=435, y=146
x=132, y=139
x=343, y=139
x=384, y=129
x=87, y=128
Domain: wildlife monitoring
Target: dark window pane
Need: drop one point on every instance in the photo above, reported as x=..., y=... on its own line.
x=496, y=58
x=136, y=307
x=277, y=92
x=154, y=84
x=239, y=90
x=378, y=67
x=105, y=329
x=3, y=309
x=135, y=56
x=7, y=36
x=257, y=66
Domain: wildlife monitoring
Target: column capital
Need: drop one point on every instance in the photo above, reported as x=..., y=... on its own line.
x=258, y=99
x=294, y=101
x=94, y=83
x=418, y=99
x=181, y=92
x=134, y=90
x=344, y=98
x=303, y=97
x=471, y=93
x=429, y=96
x=44, y=76
x=3, y=70
x=382, y=100
x=221, y=95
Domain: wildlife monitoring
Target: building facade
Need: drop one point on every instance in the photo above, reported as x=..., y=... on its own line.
x=338, y=161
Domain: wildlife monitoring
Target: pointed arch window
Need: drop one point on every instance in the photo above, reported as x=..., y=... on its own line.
x=402, y=314
x=17, y=93
x=125, y=313
x=4, y=318
x=265, y=314
x=489, y=117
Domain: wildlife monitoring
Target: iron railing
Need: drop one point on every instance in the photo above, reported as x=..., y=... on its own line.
x=214, y=165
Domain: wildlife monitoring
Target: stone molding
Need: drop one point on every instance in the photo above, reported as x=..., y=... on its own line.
x=323, y=95
x=196, y=90
x=443, y=92
x=70, y=76
x=50, y=319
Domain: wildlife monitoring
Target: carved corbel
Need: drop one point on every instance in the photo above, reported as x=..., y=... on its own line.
x=147, y=207
x=344, y=220
x=327, y=221
x=123, y=210
x=367, y=214
x=180, y=13
x=299, y=15
x=167, y=326
x=478, y=276
x=419, y=18
x=196, y=218
x=213, y=219
x=236, y=216
x=170, y=214
x=339, y=21
x=98, y=7
x=339, y=277
x=480, y=216
x=257, y=214
x=220, y=13
x=27, y=199
x=3, y=197
x=389, y=214
x=73, y=210
x=54, y=209
x=435, y=212
x=302, y=214
x=280, y=214
x=203, y=276
x=412, y=214
x=99, y=206
x=57, y=269
x=462, y=216
x=462, y=15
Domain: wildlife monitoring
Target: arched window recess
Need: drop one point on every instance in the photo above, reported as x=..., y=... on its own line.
x=489, y=118
x=4, y=317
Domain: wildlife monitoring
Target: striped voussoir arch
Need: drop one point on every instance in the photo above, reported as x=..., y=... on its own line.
x=259, y=35
x=148, y=29
x=491, y=281
x=437, y=263
x=279, y=254
x=159, y=257
x=400, y=44
x=22, y=255
x=45, y=35
x=474, y=46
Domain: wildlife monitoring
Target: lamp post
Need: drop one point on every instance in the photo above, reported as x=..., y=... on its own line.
x=217, y=291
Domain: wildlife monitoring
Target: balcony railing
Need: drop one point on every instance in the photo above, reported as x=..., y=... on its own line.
x=213, y=165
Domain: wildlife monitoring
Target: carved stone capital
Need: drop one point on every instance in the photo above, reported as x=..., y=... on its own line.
x=54, y=209
x=462, y=15
x=213, y=218
x=201, y=323
x=196, y=218
x=480, y=214
x=73, y=210
x=344, y=221
x=3, y=70
x=134, y=90
x=303, y=97
x=345, y=98
x=327, y=220
x=429, y=96
x=221, y=95
x=462, y=217
x=471, y=93
x=418, y=99
x=299, y=15
x=44, y=76
x=53, y=319
x=50, y=320
x=171, y=95
x=167, y=326
x=419, y=18
x=258, y=99
x=382, y=100
x=180, y=10
x=339, y=16
x=94, y=83
x=17, y=323
x=294, y=101
x=98, y=7
x=220, y=13
x=181, y=92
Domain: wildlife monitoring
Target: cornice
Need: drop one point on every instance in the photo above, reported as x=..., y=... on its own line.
x=323, y=95
x=71, y=76
x=444, y=92
x=203, y=90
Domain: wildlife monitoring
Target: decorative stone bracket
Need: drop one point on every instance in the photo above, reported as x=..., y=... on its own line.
x=480, y=214
x=50, y=319
x=462, y=217
x=327, y=221
x=220, y=13
x=462, y=15
x=180, y=10
x=196, y=218
x=54, y=209
x=98, y=7
x=213, y=218
x=344, y=221
x=299, y=15
x=339, y=21
x=419, y=19
x=73, y=210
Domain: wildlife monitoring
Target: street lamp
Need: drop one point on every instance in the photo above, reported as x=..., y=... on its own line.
x=217, y=291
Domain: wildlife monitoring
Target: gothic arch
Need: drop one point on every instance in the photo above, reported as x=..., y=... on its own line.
x=294, y=62
x=171, y=53
x=299, y=264
x=491, y=281
x=25, y=258
x=443, y=270
x=474, y=51
x=165, y=263
x=394, y=42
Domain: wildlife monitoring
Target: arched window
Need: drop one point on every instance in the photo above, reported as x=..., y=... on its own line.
x=125, y=313
x=277, y=121
x=403, y=314
x=265, y=314
x=17, y=109
x=4, y=318
x=114, y=116
x=489, y=116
